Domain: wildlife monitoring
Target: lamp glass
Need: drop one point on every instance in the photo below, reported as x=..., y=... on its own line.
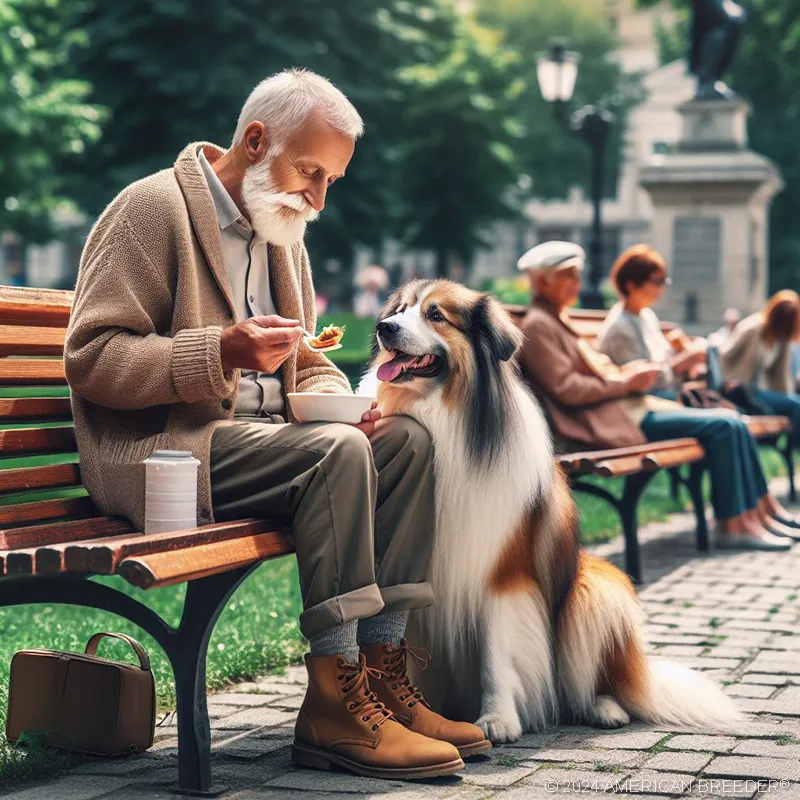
x=557, y=77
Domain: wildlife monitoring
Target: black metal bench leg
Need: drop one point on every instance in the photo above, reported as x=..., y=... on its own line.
x=675, y=484
x=787, y=451
x=694, y=484
x=205, y=599
x=628, y=506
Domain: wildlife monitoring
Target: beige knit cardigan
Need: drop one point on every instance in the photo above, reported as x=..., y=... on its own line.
x=741, y=355
x=142, y=352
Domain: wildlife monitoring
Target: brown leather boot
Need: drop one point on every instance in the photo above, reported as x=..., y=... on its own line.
x=341, y=722
x=408, y=705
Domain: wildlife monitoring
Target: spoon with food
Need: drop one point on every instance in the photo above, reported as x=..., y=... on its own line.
x=328, y=339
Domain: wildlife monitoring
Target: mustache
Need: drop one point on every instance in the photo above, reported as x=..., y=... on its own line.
x=295, y=202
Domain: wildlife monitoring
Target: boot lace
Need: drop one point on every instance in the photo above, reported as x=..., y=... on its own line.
x=396, y=669
x=355, y=678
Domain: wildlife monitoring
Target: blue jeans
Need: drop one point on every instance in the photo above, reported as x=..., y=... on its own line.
x=786, y=405
x=737, y=480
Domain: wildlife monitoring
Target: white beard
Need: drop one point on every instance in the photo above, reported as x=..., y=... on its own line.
x=277, y=217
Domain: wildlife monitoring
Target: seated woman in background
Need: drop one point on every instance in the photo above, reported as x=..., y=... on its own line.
x=632, y=331
x=593, y=403
x=759, y=354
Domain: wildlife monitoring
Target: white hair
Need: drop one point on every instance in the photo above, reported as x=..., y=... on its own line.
x=284, y=100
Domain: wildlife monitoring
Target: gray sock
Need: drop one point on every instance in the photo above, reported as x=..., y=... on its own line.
x=341, y=641
x=387, y=628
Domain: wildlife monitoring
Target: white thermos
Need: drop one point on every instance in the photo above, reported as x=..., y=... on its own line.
x=170, y=491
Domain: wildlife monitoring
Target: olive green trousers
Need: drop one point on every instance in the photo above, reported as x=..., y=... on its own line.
x=362, y=510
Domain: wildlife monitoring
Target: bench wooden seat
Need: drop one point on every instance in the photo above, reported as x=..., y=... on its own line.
x=52, y=537
x=636, y=466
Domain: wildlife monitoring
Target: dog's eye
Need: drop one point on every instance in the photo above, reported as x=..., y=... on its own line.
x=434, y=315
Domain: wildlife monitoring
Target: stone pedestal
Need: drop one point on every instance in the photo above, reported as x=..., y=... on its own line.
x=711, y=196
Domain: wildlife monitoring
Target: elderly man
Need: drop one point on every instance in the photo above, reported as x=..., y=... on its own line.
x=193, y=295
x=594, y=403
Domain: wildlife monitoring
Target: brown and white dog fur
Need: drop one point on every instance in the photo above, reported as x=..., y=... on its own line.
x=527, y=629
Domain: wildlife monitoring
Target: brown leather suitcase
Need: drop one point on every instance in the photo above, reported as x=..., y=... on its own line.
x=83, y=702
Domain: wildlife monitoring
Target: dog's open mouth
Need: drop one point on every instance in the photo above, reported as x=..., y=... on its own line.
x=404, y=367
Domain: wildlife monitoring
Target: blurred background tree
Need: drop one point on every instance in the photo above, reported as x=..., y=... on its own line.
x=458, y=145
x=766, y=73
x=44, y=114
x=175, y=71
x=555, y=162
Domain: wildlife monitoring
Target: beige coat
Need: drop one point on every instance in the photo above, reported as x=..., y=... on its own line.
x=742, y=352
x=142, y=352
x=585, y=409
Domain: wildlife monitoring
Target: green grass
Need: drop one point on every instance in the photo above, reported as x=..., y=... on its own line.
x=257, y=632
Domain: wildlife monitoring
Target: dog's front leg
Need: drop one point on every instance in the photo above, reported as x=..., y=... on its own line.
x=500, y=682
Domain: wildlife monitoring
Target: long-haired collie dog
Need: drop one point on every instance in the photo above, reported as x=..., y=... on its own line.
x=526, y=629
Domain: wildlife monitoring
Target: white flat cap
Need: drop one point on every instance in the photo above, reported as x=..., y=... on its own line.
x=553, y=256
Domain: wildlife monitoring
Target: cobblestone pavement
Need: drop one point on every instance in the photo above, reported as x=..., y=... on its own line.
x=736, y=617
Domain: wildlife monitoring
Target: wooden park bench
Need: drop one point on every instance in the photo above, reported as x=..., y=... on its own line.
x=53, y=539
x=638, y=465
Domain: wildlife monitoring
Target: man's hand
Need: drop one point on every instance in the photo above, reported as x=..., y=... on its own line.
x=259, y=343
x=368, y=420
x=643, y=378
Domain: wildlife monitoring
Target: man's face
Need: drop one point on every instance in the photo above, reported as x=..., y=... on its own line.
x=561, y=288
x=284, y=192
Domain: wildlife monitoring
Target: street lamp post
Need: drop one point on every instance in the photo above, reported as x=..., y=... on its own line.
x=556, y=73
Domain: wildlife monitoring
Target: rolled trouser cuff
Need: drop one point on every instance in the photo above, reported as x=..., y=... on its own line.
x=339, y=610
x=407, y=596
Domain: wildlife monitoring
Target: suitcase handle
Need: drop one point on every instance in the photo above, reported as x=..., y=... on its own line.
x=91, y=646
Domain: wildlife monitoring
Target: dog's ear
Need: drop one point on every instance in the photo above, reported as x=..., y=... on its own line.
x=492, y=328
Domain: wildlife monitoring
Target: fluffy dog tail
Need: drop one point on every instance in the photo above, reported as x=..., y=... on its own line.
x=675, y=695
x=601, y=653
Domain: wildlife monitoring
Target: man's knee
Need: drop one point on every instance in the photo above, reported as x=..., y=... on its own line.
x=406, y=434
x=346, y=442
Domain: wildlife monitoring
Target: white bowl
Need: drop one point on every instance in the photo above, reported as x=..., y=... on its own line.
x=322, y=407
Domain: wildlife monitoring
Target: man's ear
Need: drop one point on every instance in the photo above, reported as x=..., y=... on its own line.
x=256, y=140
x=493, y=330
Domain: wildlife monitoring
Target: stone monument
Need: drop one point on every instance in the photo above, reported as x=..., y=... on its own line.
x=711, y=194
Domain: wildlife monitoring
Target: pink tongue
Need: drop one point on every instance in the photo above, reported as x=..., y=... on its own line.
x=390, y=370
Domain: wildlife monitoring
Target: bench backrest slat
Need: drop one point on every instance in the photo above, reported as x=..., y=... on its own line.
x=32, y=372
x=41, y=307
x=19, y=409
x=23, y=340
x=47, y=477
x=41, y=510
x=30, y=441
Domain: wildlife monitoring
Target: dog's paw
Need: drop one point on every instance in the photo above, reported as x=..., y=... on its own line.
x=500, y=730
x=607, y=713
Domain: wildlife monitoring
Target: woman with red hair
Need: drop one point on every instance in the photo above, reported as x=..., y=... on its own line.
x=759, y=354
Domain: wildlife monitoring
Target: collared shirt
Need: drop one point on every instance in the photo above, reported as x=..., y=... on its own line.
x=248, y=269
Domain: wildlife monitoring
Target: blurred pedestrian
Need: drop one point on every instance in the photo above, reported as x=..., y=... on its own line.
x=370, y=281
x=730, y=320
x=758, y=354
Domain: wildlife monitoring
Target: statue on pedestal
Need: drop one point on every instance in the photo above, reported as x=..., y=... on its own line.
x=716, y=28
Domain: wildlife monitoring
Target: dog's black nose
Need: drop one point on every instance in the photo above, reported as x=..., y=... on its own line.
x=388, y=328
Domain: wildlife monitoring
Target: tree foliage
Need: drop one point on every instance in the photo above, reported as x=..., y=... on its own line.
x=555, y=161
x=457, y=146
x=44, y=114
x=175, y=71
